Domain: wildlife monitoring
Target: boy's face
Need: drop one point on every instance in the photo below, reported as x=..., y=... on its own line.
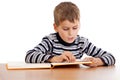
x=67, y=30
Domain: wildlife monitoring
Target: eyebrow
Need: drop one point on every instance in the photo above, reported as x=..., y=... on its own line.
x=68, y=27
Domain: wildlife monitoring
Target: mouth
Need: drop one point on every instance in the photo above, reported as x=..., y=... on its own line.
x=71, y=38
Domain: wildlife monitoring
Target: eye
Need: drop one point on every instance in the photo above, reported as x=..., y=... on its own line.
x=74, y=28
x=65, y=29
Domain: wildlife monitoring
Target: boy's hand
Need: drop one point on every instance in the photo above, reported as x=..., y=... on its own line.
x=95, y=61
x=68, y=56
x=65, y=56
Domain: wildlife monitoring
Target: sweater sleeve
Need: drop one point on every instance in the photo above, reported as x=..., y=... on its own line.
x=94, y=51
x=41, y=53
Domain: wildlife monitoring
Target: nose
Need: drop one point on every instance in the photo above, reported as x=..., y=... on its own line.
x=70, y=32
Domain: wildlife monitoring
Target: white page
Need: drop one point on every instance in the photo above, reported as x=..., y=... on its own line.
x=23, y=65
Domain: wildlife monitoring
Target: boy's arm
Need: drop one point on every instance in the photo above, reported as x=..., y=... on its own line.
x=104, y=56
x=41, y=53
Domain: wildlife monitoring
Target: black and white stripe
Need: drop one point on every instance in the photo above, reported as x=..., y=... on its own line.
x=51, y=46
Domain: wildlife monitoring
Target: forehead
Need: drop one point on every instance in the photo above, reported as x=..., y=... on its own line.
x=67, y=23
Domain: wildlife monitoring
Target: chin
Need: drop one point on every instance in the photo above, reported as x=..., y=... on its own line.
x=70, y=41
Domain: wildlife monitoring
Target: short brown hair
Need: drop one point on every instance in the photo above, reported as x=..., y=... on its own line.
x=66, y=11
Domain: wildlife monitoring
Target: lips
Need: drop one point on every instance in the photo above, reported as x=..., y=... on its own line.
x=70, y=38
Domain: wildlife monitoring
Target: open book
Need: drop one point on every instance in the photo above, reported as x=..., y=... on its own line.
x=23, y=65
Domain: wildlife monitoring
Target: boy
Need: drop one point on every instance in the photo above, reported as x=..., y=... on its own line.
x=66, y=44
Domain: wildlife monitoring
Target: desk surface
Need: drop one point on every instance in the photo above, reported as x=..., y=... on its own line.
x=62, y=73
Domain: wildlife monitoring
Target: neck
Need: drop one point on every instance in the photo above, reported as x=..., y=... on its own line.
x=62, y=41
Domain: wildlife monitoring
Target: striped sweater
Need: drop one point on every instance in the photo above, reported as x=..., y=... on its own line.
x=52, y=45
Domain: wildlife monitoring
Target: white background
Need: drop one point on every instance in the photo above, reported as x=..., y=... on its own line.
x=23, y=23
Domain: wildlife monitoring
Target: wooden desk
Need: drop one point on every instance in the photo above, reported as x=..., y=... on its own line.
x=62, y=73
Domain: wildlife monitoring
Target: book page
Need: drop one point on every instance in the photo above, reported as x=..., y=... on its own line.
x=23, y=65
x=71, y=63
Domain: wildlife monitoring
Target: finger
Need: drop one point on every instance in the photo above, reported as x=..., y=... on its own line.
x=57, y=59
x=65, y=58
x=70, y=56
x=93, y=64
x=73, y=59
x=88, y=59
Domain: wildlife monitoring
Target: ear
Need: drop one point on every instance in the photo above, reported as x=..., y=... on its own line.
x=55, y=27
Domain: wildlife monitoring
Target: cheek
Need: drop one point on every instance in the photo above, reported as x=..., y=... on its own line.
x=76, y=32
x=63, y=34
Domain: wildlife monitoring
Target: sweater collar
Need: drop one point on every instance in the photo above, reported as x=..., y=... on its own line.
x=63, y=42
